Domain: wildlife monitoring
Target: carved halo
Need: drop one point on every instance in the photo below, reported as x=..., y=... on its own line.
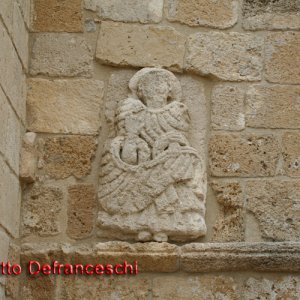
x=175, y=87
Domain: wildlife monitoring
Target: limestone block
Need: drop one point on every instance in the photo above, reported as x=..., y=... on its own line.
x=121, y=288
x=227, y=56
x=62, y=157
x=284, y=287
x=60, y=54
x=12, y=283
x=221, y=14
x=152, y=181
x=140, y=45
x=227, y=107
x=273, y=106
x=260, y=14
x=6, y=12
x=143, y=11
x=57, y=16
x=39, y=288
x=10, y=133
x=229, y=226
x=215, y=257
x=41, y=207
x=28, y=158
x=82, y=209
x=195, y=287
x=9, y=199
x=243, y=155
x=64, y=106
x=275, y=206
x=291, y=153
x=25, y=6
x=20, y=35
x=282, y=60
x=12, y=78
x=4, y=248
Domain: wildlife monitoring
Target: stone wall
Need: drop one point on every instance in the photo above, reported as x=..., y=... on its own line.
x=14, y=28
x=238, y=66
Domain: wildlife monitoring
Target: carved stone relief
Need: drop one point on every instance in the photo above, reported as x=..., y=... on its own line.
x=152, y=182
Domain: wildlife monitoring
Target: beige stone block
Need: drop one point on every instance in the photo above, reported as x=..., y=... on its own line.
x=62, y=157
x=20, y=35
x=10, y=133
x=60, y=54
x=57, y=16
x=291, y=153
x=25, y=6
x=38, y=288
x=284, y=287
x=221, y=14
x=270, y=15
x=12, y=283
x=273, y=107
x=282, y=60
x=12, y=78
x=143, y=11
x=195, y=287
x=6, y=12
x=82, y=210
x=64, y=106
x=9, y=199
x=243, y=155
x=121, y=288
x=41, y=207
x=227, y=56
x=227, y=107
x=140, y=45
x=229, y=226
x=215, y=257
x=4, y=248
x=274, y=205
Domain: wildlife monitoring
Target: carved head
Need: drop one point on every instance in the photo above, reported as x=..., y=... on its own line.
x=155, y=87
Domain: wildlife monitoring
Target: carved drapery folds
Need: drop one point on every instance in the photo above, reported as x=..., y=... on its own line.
x=152, y=182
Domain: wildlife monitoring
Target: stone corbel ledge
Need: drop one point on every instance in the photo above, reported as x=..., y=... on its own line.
x=164, y=257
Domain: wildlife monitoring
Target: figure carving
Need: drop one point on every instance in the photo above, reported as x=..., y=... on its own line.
x=151, y=179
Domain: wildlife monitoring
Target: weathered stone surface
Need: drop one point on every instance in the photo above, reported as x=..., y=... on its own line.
x=280, y=14
x=82, y=209
x=6, y=12
x=64, y=106
x=273, y=106
x=25, y=6
x=125, y=45
x=20, y=35
x=151, y=257
x=143, y=11
x=227, y=107
x=275, y=206
x=227, y=56
x=152, y=182
x=66, y=156
x=284, y=287
x=229, y=226
x=121, y=288
x=10, y=133
x=12, y=78
x=41, y=207
x=9, y=199
x=195, y=287
x=12, y=283
x=291, y=153
x=220, y=14
x=4, y=248
x=282, y=60
x=38, y=288
x=267, y=257
x=60, y=54
x=57, y=16
x=243, y=155
x=28, y=158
